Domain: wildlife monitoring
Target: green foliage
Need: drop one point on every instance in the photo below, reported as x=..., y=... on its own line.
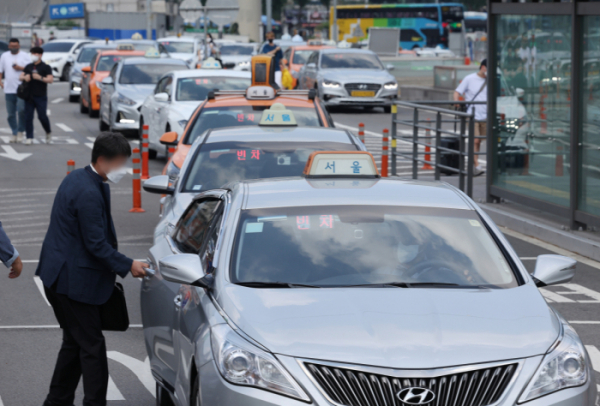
x=63, y=24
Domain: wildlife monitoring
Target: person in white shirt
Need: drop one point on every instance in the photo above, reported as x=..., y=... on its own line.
x=474, y=88
x=12, y=64
x=297, y=37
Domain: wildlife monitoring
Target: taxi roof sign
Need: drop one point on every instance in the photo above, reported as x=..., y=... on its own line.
x=125, y=47
x=152, y=53
x=210, y=63
x=260, y=92
x=348, y=164
x=278, y=115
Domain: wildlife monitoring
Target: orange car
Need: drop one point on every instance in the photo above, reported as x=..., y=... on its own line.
x=297, y=57
x=100, y=66
x=234, y=108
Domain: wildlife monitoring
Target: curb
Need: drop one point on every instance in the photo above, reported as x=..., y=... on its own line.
x=560, y=238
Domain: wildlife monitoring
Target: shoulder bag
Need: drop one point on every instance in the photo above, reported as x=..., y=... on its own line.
x=113, y=313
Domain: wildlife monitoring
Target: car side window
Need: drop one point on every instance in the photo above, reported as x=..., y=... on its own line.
x=192, y=230
x=207, y=255
x=160, y=86
x=93, y=61
x=287, y=54
x=113, y=73
x=313, y=58
x=168, y=85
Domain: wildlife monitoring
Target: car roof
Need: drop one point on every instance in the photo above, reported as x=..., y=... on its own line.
x=239, y=100
x=224, y=73
x=99, y=45
x=294, y=192
x=158, y=61
x=347, y=51
x=121, y=52
x=280, y=134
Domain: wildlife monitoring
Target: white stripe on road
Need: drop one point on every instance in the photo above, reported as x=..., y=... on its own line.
x=1, y=404
x=594, y=354
x=348, y=127
x=584, y=322
x=554, y=297
x=113, y=392
x=64, y=127
x=45, y=224
x=40, y=286
x=48, y=112
x=55, y=101
x=139, y=368
x=90, y=145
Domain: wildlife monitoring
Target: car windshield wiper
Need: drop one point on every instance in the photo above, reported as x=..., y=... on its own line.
x=275, y=285
x=407, y=285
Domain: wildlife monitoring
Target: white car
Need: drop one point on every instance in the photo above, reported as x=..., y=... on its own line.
x=60, y=54
x=237, y=55
x=178, y=94
x=185, y=48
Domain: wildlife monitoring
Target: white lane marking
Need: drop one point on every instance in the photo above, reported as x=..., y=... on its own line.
x=58, y=100
x=555, y=297
x=91, y=138
x=1, y=404
x=139, y=368
x=90, y=145
x=9, y=202
x=6, y=130
x=594, y=354
x=584, y=322
x=113, y=393
x=581, y=290
x=48, y=326
x=550, y=247
x=354, y=129
x=10, y=153
x=13, y=213
x=26, y=225
x=528, y=258
x=48, y=112
x=40, y=286
x=64, y=127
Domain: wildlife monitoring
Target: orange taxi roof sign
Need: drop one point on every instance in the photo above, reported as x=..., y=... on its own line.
x=348, y=164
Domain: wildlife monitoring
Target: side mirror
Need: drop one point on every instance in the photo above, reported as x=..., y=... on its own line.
x=169, y=138
x=86, y=69
x=161, y=97
x=108, y=81
x=185, y=269
x=389, y=66
x=159, y=185
x=519, y=92
x=553, y=270
x=311, y=65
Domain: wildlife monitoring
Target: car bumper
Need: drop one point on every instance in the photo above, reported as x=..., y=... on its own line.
x=339, y=97
x=56, y=68
x=126, y=117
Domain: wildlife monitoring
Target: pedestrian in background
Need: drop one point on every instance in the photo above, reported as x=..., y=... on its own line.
x=9, y=255
x=37, y=75
x=36, y=41
x=474, y=88
x=286, y=77
x=78, y=266
x=271, y=49
x=12, y=64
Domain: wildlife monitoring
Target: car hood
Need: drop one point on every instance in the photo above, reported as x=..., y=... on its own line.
x=395, y=327
x=185, y=109
x=235, y=58
x=136, y=92
x=54, y=55
x=357, y=75
x=182, y=56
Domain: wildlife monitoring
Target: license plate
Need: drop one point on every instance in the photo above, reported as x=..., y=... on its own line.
x=362, y=93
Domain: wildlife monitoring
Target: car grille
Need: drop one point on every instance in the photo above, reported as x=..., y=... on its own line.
x=362, y=86
x=355, y=388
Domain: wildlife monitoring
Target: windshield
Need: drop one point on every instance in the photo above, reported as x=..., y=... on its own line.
x=219, y=117
x=300, y=57
x=86, y=54
x=53, y=46
x=106, y=62
x=345, y=60
x=236, y=50
x=197, y=88
x=146, y=74
x=222, y=162
x=179, y=47
x=358, y=245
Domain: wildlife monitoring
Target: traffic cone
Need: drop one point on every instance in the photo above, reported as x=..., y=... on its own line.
x=137, y=183
x=70, y=166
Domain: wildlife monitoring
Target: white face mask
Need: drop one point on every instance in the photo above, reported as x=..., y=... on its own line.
x=407, y=253
x=34, y=58
x=116, y=175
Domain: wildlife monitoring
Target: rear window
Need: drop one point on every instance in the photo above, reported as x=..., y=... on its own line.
x=220, y=117
x=189, y=89
x=344, y=60
x=236, y=50
x=300, y=57
x=146, y=74
x=179, y=47
x=86, y=54
x=106, y=63
x=57, y=46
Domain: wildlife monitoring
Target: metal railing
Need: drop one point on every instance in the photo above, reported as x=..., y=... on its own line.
x=463, y=132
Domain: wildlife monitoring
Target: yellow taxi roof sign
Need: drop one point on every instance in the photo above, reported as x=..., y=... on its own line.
x=278, y=115
x=328, y=164
x=152, y=53
x=210, y=63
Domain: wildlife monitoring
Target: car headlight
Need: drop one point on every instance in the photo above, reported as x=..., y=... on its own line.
x=124, y=99
x=242, y=363
x=391, y=86
x=53, y=60
x=564, y=367
x=172, y=172
x=331, y=85
x=182, y=123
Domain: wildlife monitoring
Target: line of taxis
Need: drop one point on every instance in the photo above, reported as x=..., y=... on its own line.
x=286, y=271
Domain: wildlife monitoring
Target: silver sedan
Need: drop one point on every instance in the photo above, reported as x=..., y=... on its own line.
x=353, y=291
x=349, y=77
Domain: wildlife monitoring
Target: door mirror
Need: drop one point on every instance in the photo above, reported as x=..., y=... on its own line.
x=519, y=92
x=108, y=81
x=159, y=185
x=389, y=66
x=86, y=69
x=161, y=97
x=553, y=270
x=311, y=65
x=169, y=138
x=185, y=269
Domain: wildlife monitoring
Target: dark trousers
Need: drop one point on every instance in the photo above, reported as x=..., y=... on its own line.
x=83, y=352
x=39, y=104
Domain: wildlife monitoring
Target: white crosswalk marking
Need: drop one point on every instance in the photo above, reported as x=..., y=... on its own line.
x=594, y=354
x=554, y=297
x=58, y=100
x=113, y=393
x=1, y=404
x=139, y=368
x=64, y=127
x=40, y=286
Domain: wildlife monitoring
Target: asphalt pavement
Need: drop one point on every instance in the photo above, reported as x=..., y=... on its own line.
x=29, y=335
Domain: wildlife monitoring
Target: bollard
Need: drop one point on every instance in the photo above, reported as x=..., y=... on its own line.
x=558, y=164
x=171, y=152
x=137, y=183
x=70, y=166
x=385, y=149
x=426, y=165
x=145, y=153
x=361, y=132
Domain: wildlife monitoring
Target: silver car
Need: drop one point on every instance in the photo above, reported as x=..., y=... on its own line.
x=126, y=87
x=237, y=55
x=84, y=57
x=353, y=290
x=349, y=77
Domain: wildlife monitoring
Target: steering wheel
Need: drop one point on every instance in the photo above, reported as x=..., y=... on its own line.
x=445, y=272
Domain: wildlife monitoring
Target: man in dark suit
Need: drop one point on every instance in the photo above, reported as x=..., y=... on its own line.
x=78, y=265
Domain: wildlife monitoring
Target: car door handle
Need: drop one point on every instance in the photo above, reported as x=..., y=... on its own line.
x=178, y=299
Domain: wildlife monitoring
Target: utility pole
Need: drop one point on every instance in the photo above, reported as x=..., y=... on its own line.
x=334, y=29
x=269, y=15
x=148, y=19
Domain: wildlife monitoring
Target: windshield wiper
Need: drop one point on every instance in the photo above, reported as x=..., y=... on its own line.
x=406, y=285
x=276, y=285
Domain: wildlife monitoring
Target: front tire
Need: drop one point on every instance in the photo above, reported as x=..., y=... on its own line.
x=65, y=73
x=195, y=400
x=387, y=109
x=73, y=98
x=102, y=126
x=82, y=108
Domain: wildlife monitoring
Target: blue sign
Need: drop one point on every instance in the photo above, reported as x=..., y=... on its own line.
x=70, y=10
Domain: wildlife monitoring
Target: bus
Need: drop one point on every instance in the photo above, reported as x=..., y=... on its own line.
x=421, y=25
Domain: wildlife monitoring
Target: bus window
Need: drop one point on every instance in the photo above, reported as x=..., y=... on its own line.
x=408, y=35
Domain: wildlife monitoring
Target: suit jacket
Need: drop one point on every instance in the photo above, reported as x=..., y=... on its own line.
x=79, y=255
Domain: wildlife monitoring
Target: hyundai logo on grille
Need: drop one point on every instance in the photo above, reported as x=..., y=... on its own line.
x=416, y=396
x=362, y=87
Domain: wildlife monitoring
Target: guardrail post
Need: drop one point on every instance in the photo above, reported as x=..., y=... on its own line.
x=70, y=166
x=145, y=153
x=137, y=183
x=415, y=151
x=394, y=134
x=361, y=132
x=461, y=157
x=438, y=142
x=471, y=162
x=385, y=149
